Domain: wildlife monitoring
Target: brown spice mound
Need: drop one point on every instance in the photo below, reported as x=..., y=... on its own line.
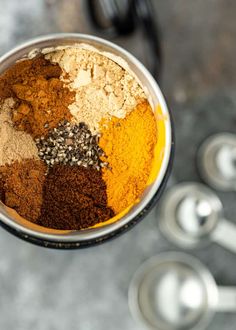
x=21, y=185
x=74, y=198
x=43, y=99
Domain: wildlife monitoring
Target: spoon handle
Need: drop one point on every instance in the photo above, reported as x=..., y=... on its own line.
x=225, y=235
x=226, y=299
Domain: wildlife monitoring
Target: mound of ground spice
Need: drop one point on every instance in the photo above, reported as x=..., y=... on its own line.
x=74, y=197
x=102, y=87
x=129, y=146
x=42, y=99
x=14, y=145
x=21, y=185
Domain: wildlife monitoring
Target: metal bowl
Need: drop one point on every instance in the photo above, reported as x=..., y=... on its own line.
x=84, y=238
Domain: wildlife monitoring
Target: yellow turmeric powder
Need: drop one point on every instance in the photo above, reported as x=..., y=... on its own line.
x=128, y=144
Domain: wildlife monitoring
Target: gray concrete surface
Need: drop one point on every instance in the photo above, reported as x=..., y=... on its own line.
x=44, y=289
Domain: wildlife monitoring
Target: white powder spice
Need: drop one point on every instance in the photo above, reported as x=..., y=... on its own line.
x=103, y=88
x=15, y=145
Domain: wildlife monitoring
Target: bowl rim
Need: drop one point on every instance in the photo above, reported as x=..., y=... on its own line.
x=96, y=233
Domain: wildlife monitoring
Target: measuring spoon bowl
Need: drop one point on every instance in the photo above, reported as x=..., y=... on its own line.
x=192, y=216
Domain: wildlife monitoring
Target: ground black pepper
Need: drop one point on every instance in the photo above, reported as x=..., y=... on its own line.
x=74, y=197
x=71, y=144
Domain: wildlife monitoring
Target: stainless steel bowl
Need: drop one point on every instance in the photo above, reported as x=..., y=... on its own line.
x=78, y=239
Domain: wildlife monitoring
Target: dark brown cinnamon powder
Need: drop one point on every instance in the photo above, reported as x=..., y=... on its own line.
x=74, y=198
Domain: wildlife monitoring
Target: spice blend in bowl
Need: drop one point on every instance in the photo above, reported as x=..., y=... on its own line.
x=79, y=140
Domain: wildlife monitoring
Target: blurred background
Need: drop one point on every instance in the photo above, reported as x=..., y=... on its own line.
x=44, y=289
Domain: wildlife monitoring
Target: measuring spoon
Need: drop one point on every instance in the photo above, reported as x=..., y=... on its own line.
x=192, y=215
x=175, y=291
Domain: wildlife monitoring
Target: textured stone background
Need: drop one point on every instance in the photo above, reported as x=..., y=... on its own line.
x=87, y=290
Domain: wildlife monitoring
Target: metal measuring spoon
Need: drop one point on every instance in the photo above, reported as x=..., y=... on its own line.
x=175, y=291
x=217, y=161
x=192, y=214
